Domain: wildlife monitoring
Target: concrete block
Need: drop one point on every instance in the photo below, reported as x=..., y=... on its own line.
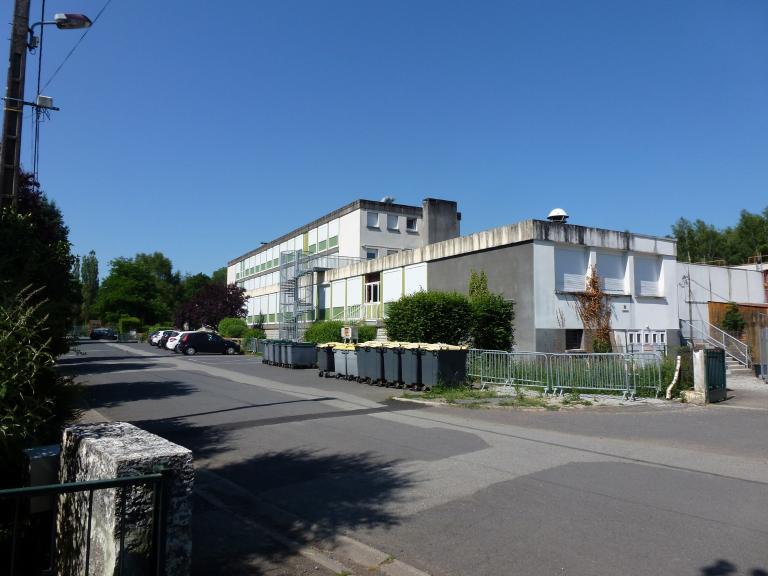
x=694, y=397
x=112, y=450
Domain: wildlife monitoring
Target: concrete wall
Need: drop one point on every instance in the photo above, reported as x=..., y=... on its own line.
x=441, y=220
x=716, y=284
x=509, y=271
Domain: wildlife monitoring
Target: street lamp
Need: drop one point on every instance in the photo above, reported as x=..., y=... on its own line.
x=22, y=39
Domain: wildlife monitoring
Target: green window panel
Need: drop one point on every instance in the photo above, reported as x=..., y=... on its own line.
x=313, y=248
x=333, y=242
x=338, y=312
x=272, y=318
x=323, y=245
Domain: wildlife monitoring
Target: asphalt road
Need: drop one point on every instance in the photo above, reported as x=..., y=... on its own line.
x=449, y=491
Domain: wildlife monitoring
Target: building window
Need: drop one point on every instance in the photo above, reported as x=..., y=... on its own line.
x=410, y=224
x=373, y=219
x=393, y=222
x=573, y=339
x=391, y=251
x=371, y=253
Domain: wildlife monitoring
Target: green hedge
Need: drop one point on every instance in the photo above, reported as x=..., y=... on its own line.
x=233, y=327
x=492, y=322
x=128, y=323
x=430, y=317
x=330, y=331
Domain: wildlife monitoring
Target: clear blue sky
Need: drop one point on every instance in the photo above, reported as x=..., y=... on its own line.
x=200, y=128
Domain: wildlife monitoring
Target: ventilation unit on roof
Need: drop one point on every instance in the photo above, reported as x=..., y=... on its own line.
x=388, y=200
x=558, y=215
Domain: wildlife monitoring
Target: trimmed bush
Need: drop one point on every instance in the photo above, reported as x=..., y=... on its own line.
x=330, y=331
x=128, y=323
x=232, y=327
x=430, y=317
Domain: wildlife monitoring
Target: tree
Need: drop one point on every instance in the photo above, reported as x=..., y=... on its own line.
x=212, y=304
x=191, y=285
x=36, y=252
x=232, y=327
x=89, y=278
x=219, y=275
x=129, y=291
x=594, y=309
x=492, y=316
x=733, y=321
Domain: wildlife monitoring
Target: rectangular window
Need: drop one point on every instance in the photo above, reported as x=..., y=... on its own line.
x=410, y=224
x=333, y=242
x=612, y=270
x=391, y=251
x=573, y=339
x=393, y=222
x=373, y=219
x=371, y=253
x=570, y=270
x=322, y=245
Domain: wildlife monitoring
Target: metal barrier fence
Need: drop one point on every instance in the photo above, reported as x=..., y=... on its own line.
x=612, y=373
x=15, y=527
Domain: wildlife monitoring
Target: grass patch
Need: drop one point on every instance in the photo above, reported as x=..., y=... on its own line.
x=451, y=394
x=521, y=401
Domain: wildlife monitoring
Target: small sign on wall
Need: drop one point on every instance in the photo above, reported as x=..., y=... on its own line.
x=349, y=332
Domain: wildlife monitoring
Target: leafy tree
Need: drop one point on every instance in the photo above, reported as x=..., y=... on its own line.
x=129, y=291
x=703, y=242
x=219, y=276
x=36, y=252
x=191, y=285
x=430, y=317
x=733, y=321
x=89, y=279
x=212, y=304
x=478, y=284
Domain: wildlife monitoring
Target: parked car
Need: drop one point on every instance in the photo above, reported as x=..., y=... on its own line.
x=173, y=340
x=154, y=338
x=103, y=334
x=193, y=342
x=163, y=340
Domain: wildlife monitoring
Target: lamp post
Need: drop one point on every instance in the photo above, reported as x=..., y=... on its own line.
x=22, y=38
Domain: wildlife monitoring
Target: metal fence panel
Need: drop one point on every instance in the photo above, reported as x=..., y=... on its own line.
x=624, y=373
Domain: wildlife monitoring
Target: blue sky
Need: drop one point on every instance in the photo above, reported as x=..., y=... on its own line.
x=200, y=128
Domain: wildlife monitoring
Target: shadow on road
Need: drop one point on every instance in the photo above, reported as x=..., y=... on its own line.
x=309, y=497
x=117, y=393
x=83, y=368
x=726, y=568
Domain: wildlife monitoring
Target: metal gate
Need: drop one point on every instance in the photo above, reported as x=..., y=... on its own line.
x=714, y=358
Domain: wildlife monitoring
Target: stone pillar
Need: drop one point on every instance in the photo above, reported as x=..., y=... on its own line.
x=700, y=394
x=113, y=450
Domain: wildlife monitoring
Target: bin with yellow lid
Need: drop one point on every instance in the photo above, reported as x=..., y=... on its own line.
x=370, y=362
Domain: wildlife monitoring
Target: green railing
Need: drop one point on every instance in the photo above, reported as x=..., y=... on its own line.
x=16, y=522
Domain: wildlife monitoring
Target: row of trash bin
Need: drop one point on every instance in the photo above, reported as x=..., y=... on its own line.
x=288, y=354
x=399, y=364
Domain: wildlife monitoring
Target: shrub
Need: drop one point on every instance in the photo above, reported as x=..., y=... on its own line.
x=492, y=319
x=330, y=331
x=250, y=335
x=430, y=317
x=35, y=401
x=232, y=327
x=128, y=323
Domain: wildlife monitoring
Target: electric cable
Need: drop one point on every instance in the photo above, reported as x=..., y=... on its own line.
x=79, y=41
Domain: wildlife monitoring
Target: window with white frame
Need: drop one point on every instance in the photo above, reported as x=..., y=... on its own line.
x=647, y=276
x=611, y=267
x=393, y=222
x=373, y=219
x=371, y=253
x=570, y=270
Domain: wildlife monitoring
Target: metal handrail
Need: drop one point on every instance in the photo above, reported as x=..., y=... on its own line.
x=741, y=347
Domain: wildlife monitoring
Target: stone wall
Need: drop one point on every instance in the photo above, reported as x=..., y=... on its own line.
x=112, y=450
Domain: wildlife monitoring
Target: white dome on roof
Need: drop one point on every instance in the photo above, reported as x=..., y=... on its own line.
x=558, y=215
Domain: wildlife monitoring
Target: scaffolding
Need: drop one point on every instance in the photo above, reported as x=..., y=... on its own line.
x=297, y=289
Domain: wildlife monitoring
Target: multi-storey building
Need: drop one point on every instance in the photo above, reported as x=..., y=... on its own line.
x=280, y=277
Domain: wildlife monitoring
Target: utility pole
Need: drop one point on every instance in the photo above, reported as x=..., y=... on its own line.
x=10, y=151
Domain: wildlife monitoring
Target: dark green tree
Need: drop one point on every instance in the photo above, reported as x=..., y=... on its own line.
x=492, y=316
x=89, y=278
x=129, y=290
x=733, y=322
x=36, y=253
x=219, y=275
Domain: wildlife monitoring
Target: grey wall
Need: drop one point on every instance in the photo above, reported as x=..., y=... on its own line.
x=441, y=220
x=509, y=271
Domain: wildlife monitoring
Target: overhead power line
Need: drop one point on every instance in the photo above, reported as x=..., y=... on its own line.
x=79, y=41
